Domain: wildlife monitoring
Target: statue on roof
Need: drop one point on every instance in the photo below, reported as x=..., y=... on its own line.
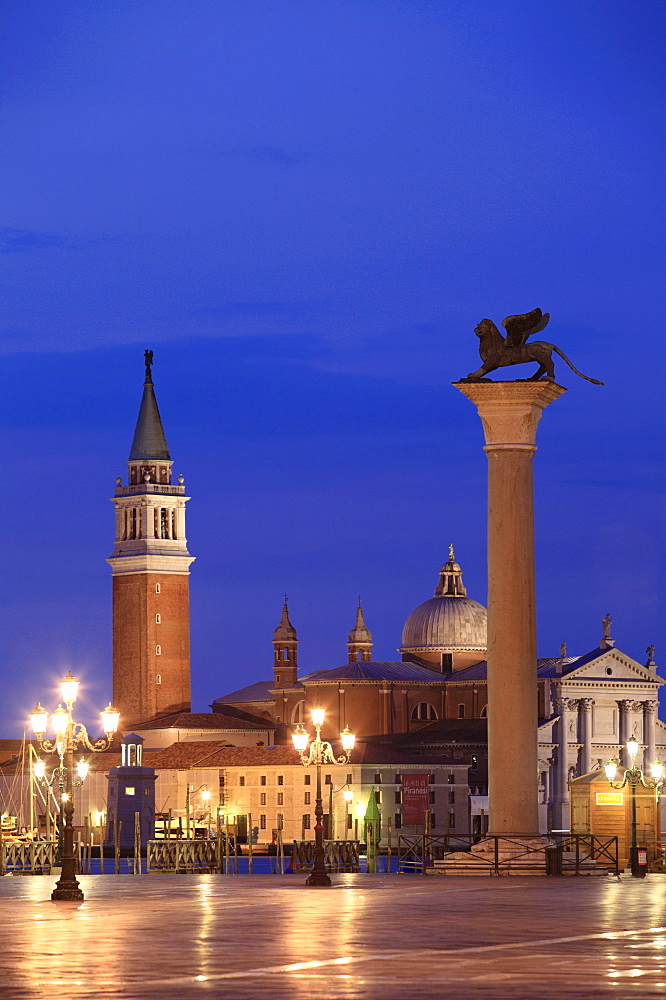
x=452, y=555
x=606, y=623
x=498, y=351
x=650, y=656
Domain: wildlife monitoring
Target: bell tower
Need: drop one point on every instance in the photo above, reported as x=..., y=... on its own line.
x=150, y=567
x=285, y=652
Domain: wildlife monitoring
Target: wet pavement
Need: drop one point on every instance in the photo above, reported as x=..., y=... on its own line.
x=376, y=936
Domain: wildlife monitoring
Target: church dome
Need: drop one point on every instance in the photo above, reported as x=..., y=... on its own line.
x=449, y=621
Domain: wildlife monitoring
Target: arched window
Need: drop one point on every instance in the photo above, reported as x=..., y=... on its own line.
x=158, y=678
x=297, y=714
x=158, y=650
x=484, y=712
x=424, y=712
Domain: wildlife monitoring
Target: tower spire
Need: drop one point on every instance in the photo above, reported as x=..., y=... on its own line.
x=359, y=641
x=285, y=653
x=149, y=442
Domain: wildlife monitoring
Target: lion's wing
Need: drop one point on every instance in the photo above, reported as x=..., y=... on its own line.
x=519, y=328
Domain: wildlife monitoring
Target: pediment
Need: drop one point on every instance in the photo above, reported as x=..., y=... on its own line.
x=614, y=665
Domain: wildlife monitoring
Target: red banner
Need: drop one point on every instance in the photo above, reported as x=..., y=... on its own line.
x=415, y=798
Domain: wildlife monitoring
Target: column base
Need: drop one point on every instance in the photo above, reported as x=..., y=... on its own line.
x=318, y=878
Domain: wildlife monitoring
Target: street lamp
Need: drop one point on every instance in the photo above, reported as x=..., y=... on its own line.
x=633, y=776
x=320, y=753
x=68, y=736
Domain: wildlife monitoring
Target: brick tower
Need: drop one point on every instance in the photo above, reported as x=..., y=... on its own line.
x=150, y=566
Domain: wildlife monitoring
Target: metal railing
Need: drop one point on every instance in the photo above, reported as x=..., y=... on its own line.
x=28, y=857
x=339, y=855
x=569, y=854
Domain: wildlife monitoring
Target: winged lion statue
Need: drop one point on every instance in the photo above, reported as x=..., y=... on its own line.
x=498, y=351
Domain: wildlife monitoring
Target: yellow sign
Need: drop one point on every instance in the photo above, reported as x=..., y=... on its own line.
x=610, y=798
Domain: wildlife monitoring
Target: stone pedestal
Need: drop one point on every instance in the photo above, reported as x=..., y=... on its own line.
x=510, y=412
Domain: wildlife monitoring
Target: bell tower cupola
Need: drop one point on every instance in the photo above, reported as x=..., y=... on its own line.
x=359, y=641
x=285, y=654
x=150, y=565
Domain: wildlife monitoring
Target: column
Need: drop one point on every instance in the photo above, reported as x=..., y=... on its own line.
x=585, y=735
x=561, y=809
x=625, y=729
x=510, y=413
x=649, y=734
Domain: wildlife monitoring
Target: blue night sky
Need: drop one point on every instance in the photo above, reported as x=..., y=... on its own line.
x=304, y=208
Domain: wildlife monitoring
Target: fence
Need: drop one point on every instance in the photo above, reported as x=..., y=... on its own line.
x=339, y=855
x=184, y=856
x=570, y=854
x=28, y=857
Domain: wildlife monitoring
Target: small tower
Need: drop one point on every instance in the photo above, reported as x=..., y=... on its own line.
x=150, y=566
x=131, y=793
x=285, y=654
x=359, y=641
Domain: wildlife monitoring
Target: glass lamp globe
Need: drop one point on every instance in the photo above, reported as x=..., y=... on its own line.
x=110, y=720
x=632, y=748
x=300, y=738
x=347, y=739
x=611, y=770
x=59, y=720
x=657, y=770
x=39, y=720
x=82, y=768
x=318, y=716
x=69, y=687
x=39, y=768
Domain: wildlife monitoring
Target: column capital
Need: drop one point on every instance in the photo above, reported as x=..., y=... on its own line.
x=650, y=707
x=586, y=704
x=510, y=411
x=565, y=704
x=626, y=704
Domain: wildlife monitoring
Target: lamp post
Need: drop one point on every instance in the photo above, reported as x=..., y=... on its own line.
x=320, y=753
x=68, y=736
x=205, y=795
x=633, y=776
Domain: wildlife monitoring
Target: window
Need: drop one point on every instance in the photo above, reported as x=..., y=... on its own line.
x=327, y=780
x=158, y=678
x=475, y=760
x=378, y=779
x=433, y=821
x=432, y=797
x=262, y=801
x=130, y=791
x=280, y=798
x=398, y=821
x=277, y=678
x=221, y=782
x=158, y=619
x=280, y=779
x=306, y=799
x=297, y=714
x=262, y=780
x=306, y=779
x=378, y=798
x=452, y=821
x=349, y=821
x=158, y=650
x=349, y=779
x=451, y=778
x=241, y=781
x=398, y=798
x=424, y=712
x=484, y=712
x=306, y=821
x=431, y=779
x=447, y=663
x=158, y=588
x=262, y=822
x=398, y=779
x=452, y=797
x=461, y=711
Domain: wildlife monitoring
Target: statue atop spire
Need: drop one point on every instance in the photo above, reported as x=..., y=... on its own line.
x=148, y=358
x=450, y=578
